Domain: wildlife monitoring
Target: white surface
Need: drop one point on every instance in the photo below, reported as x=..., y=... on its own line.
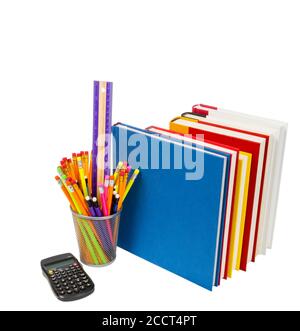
x=164, y=57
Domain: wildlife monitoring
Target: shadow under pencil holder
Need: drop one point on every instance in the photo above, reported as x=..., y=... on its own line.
x=97, y=238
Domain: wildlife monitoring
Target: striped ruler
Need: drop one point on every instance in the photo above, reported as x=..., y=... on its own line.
x=108, y=122
x=102, y=119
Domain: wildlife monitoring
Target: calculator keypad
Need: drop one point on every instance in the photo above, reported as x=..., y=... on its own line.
x=70, y=280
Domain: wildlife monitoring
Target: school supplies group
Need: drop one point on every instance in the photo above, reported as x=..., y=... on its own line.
x=204, y=229
x=96, y=193
x=205, y=204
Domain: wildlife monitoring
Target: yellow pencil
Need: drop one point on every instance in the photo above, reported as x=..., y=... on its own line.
x=81, y=176
x=130, y=183
x=73, y=196
x=116, y=174
x=86, y=164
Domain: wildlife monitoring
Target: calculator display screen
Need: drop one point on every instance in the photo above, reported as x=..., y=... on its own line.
x=60, y=264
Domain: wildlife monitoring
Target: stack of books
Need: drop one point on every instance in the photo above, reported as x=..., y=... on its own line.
x=208, y=191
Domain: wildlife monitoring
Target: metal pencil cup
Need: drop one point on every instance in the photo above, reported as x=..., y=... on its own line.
x=97, y=238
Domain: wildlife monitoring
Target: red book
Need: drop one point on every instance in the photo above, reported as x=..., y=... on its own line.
x=244, y=143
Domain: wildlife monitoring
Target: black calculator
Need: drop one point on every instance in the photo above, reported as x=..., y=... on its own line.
x=67, y=278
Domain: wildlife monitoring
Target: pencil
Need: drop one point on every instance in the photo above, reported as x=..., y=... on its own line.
x=66, y=193
x=130, y=183
x=110, y=193
x=122, y=184
x=74, y=159
x=90, y=175
x=81, y=176
x=80, y=195
x=72, y=171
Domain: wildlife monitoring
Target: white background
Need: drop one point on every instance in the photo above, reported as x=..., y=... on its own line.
x=163, y=57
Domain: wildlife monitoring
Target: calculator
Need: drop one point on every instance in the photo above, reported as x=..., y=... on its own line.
x=67, y=278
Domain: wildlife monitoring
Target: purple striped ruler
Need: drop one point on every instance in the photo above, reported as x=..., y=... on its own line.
x=95, y=138
x=108, y=119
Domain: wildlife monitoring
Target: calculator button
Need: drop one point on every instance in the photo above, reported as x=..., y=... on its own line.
x=88, y=285
x=71, y=282
x=69, y=278
x=77, y=280
x=58, y=286
x=82, y=274
x=67, y=287
x=69, y=291
x=79, y=283
x=76, y=290
x=63, y=280
x=65, y=284
x=85, y=281
x=62, y=292
x=84, y=277
x=82, y=287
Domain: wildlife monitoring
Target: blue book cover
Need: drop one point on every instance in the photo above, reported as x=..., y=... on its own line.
x=228, y=156
x=168, y=220
x=222, y=227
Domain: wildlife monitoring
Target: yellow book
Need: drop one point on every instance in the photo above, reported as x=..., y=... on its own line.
x=180, y=128
x=239, y=211
x=240, y=200
x=246, y=172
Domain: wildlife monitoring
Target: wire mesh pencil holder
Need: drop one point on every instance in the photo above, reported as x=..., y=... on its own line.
x=97, y=238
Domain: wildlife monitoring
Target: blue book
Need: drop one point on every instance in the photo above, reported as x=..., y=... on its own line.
x=228, y=156
x=168, y=220
x=222, y=227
